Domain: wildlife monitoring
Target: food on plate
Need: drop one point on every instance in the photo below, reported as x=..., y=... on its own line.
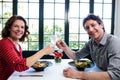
x=39, y=64
x=82, y=63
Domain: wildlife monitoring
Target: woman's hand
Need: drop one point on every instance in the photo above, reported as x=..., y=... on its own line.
x=48, y=50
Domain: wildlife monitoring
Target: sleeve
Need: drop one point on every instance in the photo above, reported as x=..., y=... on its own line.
x=114, y=60
x=12, y=58
x=83, y=52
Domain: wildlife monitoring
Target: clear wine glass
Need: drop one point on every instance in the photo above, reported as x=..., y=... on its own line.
x=53, y=40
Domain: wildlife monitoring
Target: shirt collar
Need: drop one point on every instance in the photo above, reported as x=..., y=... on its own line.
x=104, y=39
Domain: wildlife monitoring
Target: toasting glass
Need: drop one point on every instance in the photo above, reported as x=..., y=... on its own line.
x=53, y=40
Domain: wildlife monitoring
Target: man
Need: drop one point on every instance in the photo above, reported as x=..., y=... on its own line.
x=103, y=48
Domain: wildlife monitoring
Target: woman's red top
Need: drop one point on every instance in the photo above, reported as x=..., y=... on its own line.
x=10, y=59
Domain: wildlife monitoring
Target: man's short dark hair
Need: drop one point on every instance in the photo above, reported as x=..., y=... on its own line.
x=93, y=17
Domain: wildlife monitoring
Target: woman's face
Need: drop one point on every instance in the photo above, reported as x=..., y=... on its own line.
x=94, y=29
x=17, y=29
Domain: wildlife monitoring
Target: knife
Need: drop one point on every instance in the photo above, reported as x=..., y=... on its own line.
x=31, y=75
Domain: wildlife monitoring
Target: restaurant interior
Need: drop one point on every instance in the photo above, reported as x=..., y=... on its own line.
x=50, y=17
x=51, y=20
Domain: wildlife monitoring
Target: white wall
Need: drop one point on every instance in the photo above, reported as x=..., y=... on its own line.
x=117, y=18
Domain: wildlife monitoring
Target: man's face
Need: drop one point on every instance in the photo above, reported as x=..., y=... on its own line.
x=94, y=29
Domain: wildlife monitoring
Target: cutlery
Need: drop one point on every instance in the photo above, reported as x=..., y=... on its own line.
x=31, y=75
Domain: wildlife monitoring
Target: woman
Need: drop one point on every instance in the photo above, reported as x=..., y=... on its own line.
x=11, y=59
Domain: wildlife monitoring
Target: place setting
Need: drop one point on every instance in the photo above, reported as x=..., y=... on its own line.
x=81, y=64
x=41, y=65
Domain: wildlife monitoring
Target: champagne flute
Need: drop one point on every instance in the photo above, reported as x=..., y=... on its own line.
x=53, y=40
x=58, y=37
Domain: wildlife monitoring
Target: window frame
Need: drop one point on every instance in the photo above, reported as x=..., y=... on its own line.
x=66, y=24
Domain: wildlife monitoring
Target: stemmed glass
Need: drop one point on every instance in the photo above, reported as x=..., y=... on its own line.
x=57, y=54
x=53, y=40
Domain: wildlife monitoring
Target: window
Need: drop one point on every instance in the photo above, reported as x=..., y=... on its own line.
x=53, y=19
x=77, y=35
x=6, y=10
x=49, y=17
x=29, y=9
x=105, y=12
x=81, y=8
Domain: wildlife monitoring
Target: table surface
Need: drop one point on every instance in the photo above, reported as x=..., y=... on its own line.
x=54, y=72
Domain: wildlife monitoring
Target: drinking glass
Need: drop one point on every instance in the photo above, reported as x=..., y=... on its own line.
x=53, y=40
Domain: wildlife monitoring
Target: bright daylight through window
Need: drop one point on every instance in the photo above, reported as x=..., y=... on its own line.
x=50, y=17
